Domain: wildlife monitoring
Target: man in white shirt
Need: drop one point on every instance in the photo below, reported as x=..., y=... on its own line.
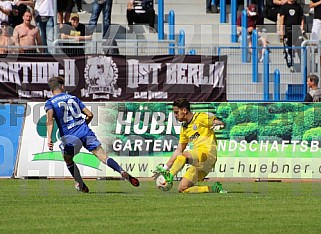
x=316, y=26
x=44, y=12
x=5, y=9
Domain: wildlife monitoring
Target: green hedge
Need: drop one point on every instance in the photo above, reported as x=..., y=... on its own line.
x=276, y=130
x=249, y=113
x=311, y=118
x=277, y=108
x=223, y=110
x=313, y=134
x=247, y=131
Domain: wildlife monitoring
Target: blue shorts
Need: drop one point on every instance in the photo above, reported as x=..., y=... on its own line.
x=71, y=145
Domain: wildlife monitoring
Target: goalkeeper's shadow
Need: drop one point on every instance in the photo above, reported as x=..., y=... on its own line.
x=242, y=192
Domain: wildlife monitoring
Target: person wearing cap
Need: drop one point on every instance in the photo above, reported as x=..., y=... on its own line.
x=74, y=31
x=291, y=29
x=252, y=19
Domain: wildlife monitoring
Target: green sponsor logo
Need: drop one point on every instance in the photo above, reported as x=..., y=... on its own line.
x=82, y=158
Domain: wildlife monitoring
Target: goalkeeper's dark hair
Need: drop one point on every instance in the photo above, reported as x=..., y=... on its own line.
x=56, y=82
x=182, y=103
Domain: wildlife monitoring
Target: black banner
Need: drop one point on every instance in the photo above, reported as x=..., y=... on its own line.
x=116, y=78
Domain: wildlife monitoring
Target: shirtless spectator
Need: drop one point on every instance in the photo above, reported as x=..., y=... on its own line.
x=27, y=35
x=6, y=40
x=19, y=7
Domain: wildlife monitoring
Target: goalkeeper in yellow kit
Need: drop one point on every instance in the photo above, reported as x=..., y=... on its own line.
x=196, y=129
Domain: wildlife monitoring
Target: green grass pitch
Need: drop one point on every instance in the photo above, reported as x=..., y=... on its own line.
x=54, y=206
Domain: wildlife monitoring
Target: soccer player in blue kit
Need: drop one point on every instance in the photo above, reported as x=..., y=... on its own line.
x=68, y=111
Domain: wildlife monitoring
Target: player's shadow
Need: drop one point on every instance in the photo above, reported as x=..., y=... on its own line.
x=107, y=192
x=242, y=192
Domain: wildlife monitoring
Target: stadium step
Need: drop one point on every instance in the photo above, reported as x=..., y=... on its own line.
x=204, y=30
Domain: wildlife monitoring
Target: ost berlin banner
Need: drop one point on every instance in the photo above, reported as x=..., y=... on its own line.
x=116, y=78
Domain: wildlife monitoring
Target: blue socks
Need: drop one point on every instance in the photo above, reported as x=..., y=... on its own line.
x=113, y=164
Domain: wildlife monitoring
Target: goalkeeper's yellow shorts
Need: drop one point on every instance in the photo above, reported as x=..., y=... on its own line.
x=203, y=163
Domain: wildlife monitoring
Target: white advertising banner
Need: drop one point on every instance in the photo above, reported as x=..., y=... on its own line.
x=141, y=135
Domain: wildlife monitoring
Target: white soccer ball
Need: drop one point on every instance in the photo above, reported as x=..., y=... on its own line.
x=161, y=184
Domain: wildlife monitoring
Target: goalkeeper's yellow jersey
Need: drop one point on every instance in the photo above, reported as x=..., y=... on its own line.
x=199, y=131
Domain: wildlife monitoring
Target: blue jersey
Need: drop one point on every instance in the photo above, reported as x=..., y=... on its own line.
x=68, y=116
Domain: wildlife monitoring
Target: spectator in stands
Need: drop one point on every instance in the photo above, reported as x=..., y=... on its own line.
x=5, y=9
x=97, y=7
x=260, y=10
x=140, y=12
x=64, y=6
x=79, y=7
x=272, y=11
x=291, y=17
x=252, y=18
x=6, y=39
x=27, y=35
x=44, y=13
x=18, y=9
x=75, y=31
x=315, y=93
x=316, y=26
x=209, y=6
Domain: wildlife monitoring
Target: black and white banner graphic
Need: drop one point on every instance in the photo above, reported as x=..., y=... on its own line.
x=116, y=78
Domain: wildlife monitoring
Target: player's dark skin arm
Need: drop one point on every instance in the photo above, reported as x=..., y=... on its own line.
x=89, y=115
x=50, y=125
